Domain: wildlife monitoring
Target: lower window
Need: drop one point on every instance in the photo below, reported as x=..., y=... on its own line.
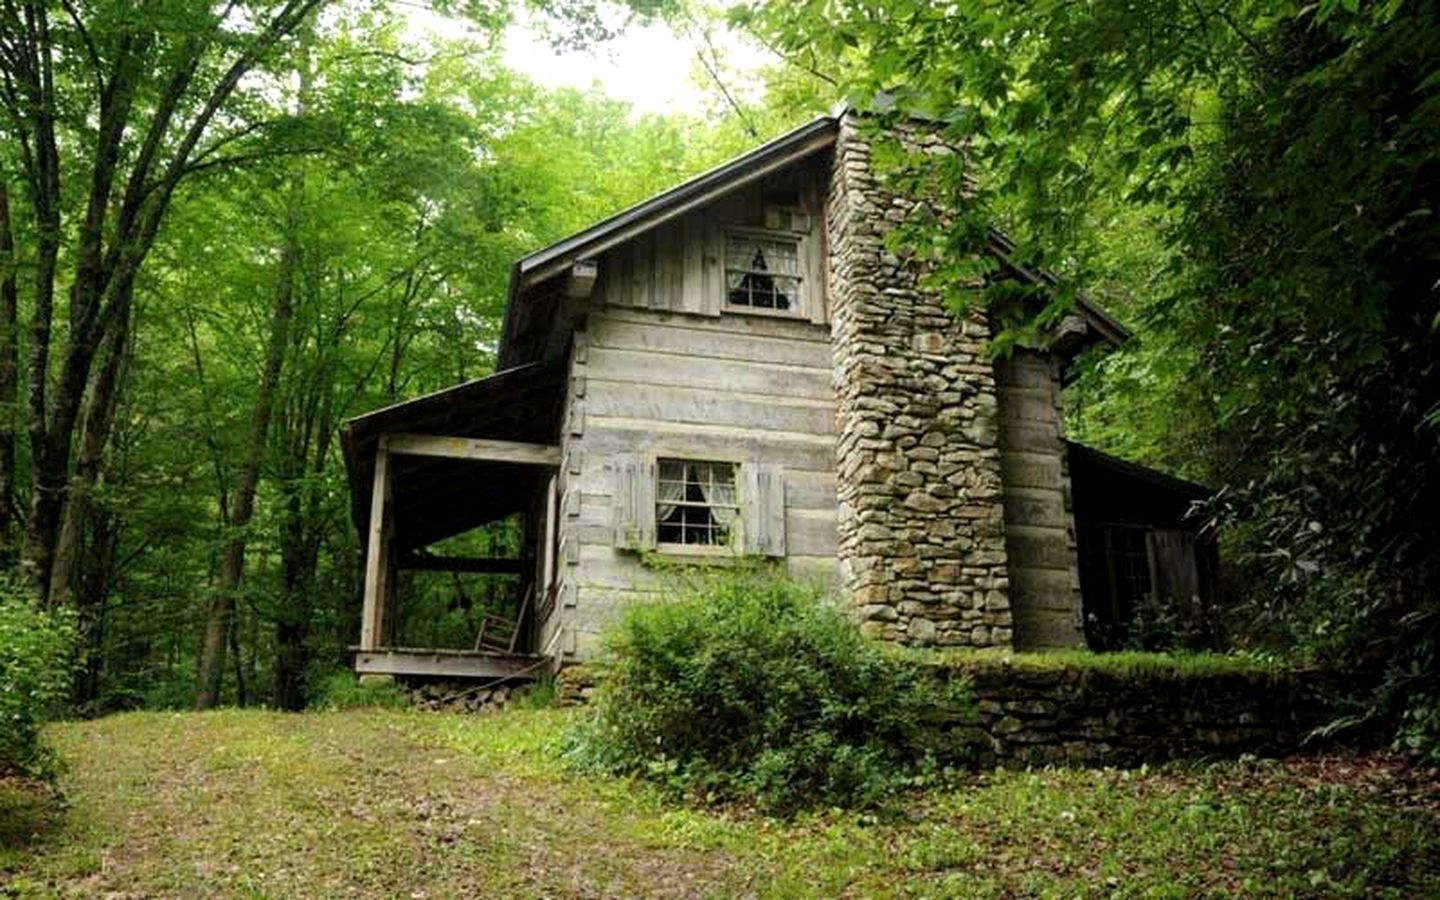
x=695, y=502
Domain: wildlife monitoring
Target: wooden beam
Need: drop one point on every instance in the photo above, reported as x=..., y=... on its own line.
x=376, y=561
x=478, y=449
x=449, y=664
x=484, y=565
x=547, y=534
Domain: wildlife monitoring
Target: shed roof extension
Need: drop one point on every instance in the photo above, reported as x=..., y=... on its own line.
x=436, y=498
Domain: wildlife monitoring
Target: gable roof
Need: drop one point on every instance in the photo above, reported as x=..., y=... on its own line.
x=814, y=136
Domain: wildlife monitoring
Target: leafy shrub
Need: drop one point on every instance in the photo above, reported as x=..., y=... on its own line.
x=751, y=687
x=36, y=656
x=343, y=690
x=539, y=695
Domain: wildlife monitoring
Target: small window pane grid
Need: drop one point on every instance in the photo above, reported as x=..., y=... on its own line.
x=762, y=273
x=694, y=502
x=1131, y=561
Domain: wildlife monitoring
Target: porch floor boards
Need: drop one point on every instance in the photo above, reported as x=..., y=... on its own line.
x=439, y=662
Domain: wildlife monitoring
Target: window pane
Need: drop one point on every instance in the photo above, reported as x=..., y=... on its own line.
x=694, y=502
x=761, y=273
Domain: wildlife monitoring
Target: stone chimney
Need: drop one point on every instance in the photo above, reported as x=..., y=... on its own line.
x=922, y=519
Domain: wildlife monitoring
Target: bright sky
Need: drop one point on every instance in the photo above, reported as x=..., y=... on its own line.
x=650, y=67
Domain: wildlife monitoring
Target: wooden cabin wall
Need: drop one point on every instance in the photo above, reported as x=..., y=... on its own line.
x=1040, y=543
x=661, y=368
x=751, y=390
x=680, y=266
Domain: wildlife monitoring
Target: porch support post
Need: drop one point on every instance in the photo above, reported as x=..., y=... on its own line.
x=379, y=561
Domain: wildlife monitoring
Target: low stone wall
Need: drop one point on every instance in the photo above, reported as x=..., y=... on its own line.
x=1072, y=715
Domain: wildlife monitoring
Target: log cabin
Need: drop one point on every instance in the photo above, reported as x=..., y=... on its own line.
x=742, y=366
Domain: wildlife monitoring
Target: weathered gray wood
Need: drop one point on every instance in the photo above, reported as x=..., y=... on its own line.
x=762, y=508
x=1025, y=469
x=692, y=272
x=752, y=344
x=635, y=507
x=551, y=530
x=1034, y=506
x=475, y=449
x=647, y=367
x=447, y=663
x=794, y=450
x=702, y=406
x=1039, y=526
x=750, y=326
x=376, y=551
x=1038, y=547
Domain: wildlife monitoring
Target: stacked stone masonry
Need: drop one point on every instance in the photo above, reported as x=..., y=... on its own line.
x=1074, y=716
x=922, y=521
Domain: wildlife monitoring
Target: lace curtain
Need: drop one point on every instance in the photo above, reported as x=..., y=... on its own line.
x=719, y=490
x=671, y=489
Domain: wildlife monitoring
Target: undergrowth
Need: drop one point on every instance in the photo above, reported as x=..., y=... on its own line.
x=750, y=687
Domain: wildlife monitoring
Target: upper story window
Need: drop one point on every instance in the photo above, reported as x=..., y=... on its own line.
x=695, y=502
x=762, y=272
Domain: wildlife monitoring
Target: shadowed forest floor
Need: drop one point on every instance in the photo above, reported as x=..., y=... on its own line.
x=403, y=804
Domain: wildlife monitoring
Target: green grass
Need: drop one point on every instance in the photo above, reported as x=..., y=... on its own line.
x=369, y=803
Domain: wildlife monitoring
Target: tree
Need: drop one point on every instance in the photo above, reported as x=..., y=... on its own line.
x=1286, y=157
x=134, y=101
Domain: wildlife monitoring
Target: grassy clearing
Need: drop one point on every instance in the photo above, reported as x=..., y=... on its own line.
x=392, y=803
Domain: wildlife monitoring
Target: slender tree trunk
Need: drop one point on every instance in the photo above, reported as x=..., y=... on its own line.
x=102, y=400
x=9, y=370
x=107, y=254
x=232, y=567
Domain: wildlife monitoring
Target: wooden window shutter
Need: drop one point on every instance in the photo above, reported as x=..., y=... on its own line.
x=762, y=503
x=635, y=503
x=1174, y=577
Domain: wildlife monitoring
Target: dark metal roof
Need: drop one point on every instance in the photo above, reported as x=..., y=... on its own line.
x=1090, y=458
x=436, y=498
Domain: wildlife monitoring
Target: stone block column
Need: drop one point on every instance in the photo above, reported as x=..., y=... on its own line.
x=922, y=521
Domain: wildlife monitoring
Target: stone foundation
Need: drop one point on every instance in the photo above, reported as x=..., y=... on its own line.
x=1082, y=717
x=922, y=524
x=462, y=696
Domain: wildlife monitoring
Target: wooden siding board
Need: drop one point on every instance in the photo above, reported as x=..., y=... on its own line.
x=793, y=450
x=677, y=338
x=706, y=406
x=644, y=367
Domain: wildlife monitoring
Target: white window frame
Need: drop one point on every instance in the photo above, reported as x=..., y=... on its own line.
x=733, y=531
x=799, y=302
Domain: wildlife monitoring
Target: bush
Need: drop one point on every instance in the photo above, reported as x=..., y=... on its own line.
x=36, y=656
x=343, y=690
x=751, y=687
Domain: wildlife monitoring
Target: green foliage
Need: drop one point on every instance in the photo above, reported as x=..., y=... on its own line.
x=344, y=690
x=1129, y=664
x=541, y=694
x=1252, y=186
x=36, y=654
x=750, y=687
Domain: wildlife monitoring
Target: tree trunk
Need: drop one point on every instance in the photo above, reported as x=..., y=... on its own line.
x=122, y=213
x=102, y=400
x=9, y=370
x=232, y=567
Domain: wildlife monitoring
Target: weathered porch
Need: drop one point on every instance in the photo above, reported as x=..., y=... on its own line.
x=441, y=465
